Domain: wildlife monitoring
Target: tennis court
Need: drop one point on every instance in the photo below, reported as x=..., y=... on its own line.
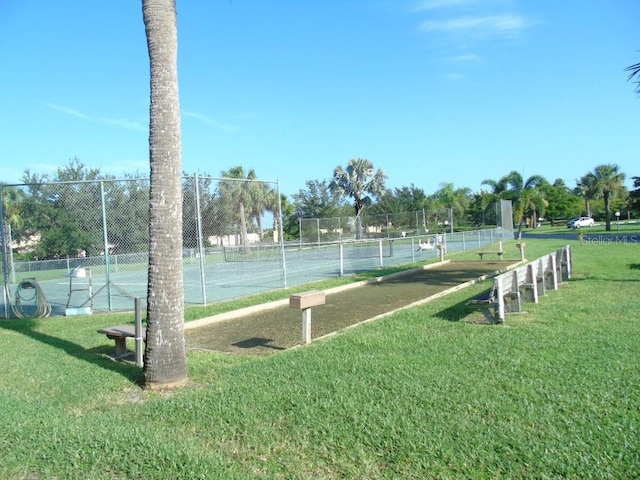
x=220, y=274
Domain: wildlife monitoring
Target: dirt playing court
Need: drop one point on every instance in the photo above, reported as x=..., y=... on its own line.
x=273, y=330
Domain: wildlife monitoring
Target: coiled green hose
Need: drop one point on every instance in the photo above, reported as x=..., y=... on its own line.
x=37, y=299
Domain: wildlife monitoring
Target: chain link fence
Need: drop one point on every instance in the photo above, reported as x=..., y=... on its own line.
x=396, y=225
x=79, y=247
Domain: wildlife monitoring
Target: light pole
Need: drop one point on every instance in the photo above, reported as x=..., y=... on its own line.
x=618, y=220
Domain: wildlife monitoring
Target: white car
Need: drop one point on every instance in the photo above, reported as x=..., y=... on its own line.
x=580, y=222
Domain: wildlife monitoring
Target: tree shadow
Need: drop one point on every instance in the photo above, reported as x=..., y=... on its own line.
x=98, y=356
x=634, y=266
x=257, y=342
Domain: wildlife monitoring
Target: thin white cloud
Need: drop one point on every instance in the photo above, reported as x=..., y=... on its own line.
x=440, y=4
x=67, y=110
x=128, y=124
x=114, y=122
x=209, y=121
x=491, y=25
x=464, y=59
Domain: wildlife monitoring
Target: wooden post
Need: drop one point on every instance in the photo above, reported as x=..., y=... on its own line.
x=441, y=248
x=521, y=245
x=304, y=301
x=306, y=326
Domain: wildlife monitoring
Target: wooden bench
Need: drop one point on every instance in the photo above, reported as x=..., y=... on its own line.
x=525, y=283
x=120, y=333
x=482, y=254
x=486, y=301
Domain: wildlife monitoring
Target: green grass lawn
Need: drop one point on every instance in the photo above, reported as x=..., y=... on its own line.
x=623, y=227
x=555, y=393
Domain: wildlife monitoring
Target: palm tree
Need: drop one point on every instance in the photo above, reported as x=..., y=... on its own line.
x=360, y=182
x=263, y=197
x=12, y=198
x=520, y=191
x=586, y=188
x=634, y=72
x=534, y=201
x=240, y=190
x=165, y=360
x=608, y=182
x=451, y=198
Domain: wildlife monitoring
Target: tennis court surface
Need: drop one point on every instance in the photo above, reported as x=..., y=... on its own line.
x=271, y=330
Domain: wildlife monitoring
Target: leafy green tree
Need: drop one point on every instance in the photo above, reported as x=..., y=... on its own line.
x=607, y=181
x=67, y=205
x=399, y=200
x=457, y=200
x=317, y=200
x=165, y=359
x=561, y=202
x=359, y=181
x=127, y=211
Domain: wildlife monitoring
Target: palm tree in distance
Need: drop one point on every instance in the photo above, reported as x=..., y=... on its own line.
x=165, y=359
x=264, y=197
x=515, y=188
x=451, y=199
x=586, y=188
x=239, y=190
x=608, y=182
x=361, y=182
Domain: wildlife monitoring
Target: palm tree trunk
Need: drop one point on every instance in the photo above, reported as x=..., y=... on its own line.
x=243, y=226
x=165, y=355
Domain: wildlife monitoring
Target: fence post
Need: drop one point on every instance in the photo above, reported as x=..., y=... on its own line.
x=203, y=281
x=105, y=235
x=281, y=238
x=5, y=271
x=138, y=331
x=341, y=255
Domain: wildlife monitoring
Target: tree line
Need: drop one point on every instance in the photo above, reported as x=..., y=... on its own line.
x=64, y=212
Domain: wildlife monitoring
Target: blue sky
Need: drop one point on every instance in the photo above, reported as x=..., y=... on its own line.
x=430, y=91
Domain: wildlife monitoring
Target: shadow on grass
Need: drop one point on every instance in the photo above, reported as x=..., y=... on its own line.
x=634, y=266
x=461, y=312
x=97, y=356
x=588, y=277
